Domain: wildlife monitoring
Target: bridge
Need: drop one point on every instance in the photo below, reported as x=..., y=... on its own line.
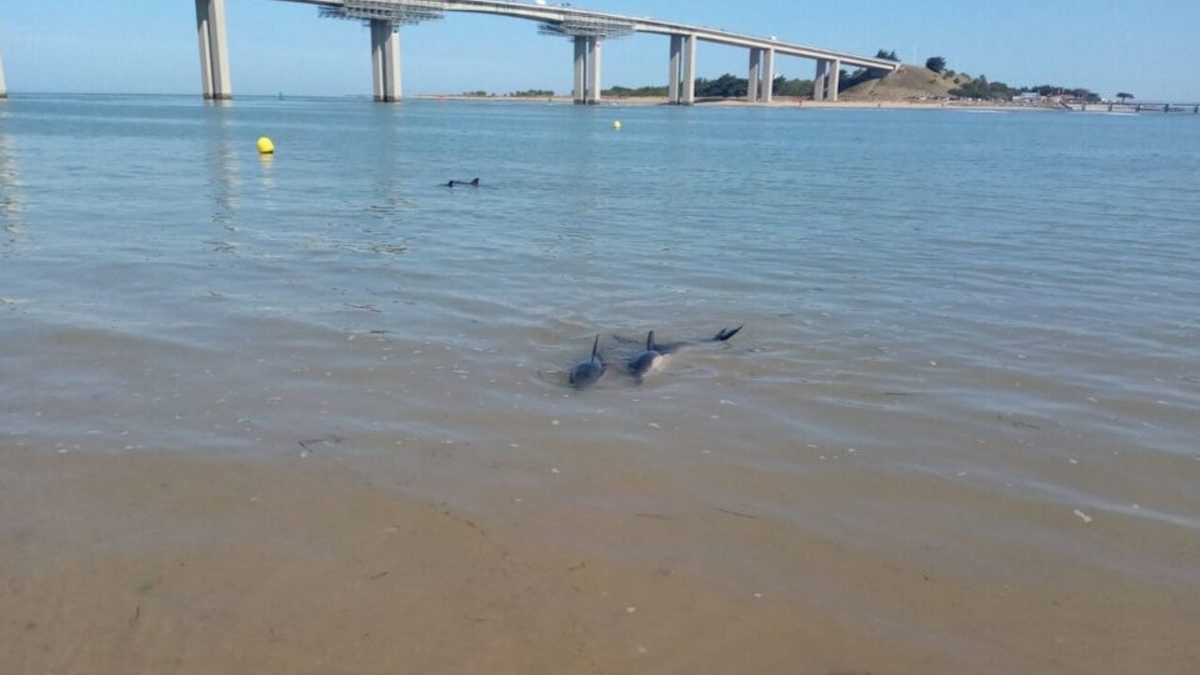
x=587, y=30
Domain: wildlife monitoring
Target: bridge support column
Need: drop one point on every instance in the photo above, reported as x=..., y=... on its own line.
x=768, y=76
x=688, y=95
x=385, y=61
x=3, y=88
x=593, y=57
x=819, y=80
x=587, y=70
x=835, y=79
x=214, y=50
x=681, y=85
x=755, y=75
x=673, y=93
x=825, y=84
x=579, y=92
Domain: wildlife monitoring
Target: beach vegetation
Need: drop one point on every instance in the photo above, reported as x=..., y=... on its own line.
x=1125, y=96
x=635, y=92
x=725, y=86
x=936, y=63
x=533, y=93
x=794, y=87
x=981, y=89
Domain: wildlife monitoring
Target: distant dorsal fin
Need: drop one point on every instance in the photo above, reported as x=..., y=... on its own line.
x=595, y=346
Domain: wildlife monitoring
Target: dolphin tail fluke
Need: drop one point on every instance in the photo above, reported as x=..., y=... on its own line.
x=726, y=333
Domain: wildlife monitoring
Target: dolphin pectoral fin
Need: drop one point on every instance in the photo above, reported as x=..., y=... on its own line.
x=726, y=333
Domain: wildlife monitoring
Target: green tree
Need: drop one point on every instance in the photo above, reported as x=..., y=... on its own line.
x=890, y=56
x=1125, y=96
x=725, y=86
x=798, y=88
x=980, y=88
x=641, y=92
x=936, y=63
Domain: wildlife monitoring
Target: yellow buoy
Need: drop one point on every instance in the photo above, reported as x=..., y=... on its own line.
x=265, y=146
x=617, y=125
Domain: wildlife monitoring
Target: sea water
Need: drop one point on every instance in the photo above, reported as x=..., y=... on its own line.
x=969, y=339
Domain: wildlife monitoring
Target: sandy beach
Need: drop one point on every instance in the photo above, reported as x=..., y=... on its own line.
x=156, y=563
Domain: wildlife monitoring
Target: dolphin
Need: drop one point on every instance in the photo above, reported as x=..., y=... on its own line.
x=653, y=357
x=471, y=183
x=648, y=360
x=588, y=372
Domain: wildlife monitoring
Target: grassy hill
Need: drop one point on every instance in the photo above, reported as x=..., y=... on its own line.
x=909, y=82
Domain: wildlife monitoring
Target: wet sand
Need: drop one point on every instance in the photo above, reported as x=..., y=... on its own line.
x=163, y=563
x=156, y=564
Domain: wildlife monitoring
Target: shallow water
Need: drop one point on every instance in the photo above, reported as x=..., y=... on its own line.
x=970, y=346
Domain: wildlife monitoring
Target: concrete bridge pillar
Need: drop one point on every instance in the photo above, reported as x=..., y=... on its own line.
x=752, y=80
x=593, y=88
x=214, y=50
x=835, y=78
x=827, y=80
x=579, y=92
x=587, y=70
x=3, y=88
x=768, y=76
x=688, y=95
x=819, y=80
x=385, y=61
x=681, y=85
x=673, y=78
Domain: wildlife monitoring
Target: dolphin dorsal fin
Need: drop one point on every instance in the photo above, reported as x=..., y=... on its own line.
x=650, y=341
x=596, y=345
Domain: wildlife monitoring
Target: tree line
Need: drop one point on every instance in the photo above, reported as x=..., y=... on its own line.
x=731, y=86
x=725, y=86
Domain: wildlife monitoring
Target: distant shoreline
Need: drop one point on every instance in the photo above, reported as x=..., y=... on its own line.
x=779, y=102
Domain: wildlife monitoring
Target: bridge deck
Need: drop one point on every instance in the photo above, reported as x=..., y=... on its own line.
x=559, y=14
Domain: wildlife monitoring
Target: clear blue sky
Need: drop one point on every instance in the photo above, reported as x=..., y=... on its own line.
x=149, y=46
